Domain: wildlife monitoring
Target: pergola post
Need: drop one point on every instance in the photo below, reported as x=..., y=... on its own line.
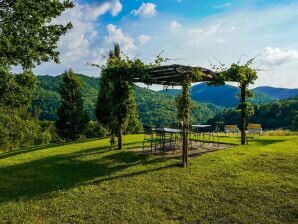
x=179, y=75
x=186, y=102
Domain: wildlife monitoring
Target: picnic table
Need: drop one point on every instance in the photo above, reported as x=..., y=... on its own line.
x=168, y=135
x=204, y=130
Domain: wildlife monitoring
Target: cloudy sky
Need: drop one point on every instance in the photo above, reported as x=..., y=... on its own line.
x=191, y=32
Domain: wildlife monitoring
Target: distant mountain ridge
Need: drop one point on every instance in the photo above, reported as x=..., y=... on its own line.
x=280, y=93
x=154, y=108
x=227, y=95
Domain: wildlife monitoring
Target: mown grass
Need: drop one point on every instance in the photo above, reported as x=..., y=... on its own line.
x=84, y=182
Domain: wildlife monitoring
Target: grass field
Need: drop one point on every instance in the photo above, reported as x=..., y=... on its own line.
x=84, y=182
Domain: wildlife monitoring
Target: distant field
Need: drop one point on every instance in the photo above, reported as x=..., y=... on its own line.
x=84, y=182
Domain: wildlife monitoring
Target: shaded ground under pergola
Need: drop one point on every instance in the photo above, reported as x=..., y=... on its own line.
x=197, y=148
x=181, y=75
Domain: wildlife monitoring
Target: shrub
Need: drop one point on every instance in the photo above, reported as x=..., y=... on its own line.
x=95, y=130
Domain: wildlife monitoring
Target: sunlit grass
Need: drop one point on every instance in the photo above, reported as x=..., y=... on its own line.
x=85, y=182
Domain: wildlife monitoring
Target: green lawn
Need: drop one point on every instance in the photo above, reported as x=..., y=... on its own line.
x=83, y=182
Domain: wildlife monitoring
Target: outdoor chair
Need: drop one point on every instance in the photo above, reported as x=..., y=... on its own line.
x=148, y=136
x=164, y=140
x=254, y=129
x=232, y=129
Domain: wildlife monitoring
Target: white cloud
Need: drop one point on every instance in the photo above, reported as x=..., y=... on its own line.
x=144, y=39
x=76, y=44
x=94, y=11
x=225, y=5
x=220, y=40
x=146, y=9
x=175, y=26
x=232, y=28
x=195, y=33
x=277, y=56
x=81, y=44
x=116, y=35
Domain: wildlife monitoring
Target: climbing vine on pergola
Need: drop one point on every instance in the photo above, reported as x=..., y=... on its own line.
x=135, y=71
x=180, y=75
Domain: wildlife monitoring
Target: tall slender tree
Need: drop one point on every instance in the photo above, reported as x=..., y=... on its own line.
x=72, y=118
x=104, y=100
x=116, y=106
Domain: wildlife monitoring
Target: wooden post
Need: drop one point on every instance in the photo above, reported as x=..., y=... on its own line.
x=243, y=114
x=120, y=143
x=186, y=101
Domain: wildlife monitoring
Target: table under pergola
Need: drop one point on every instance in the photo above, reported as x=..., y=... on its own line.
x=181, y=75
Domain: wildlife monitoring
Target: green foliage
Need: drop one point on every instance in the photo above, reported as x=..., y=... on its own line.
x=16, y=90
x=15, y=130
x=16, y=93
x=159, y=109
x=183, y=105
x=244, y=76
x=154, y=108
x=72, y=118
x=282, y=114
x=103, y=106
x=95, y=130
x=116, y=93
x=47, y=133
x=47, y=98
x=296, y=121
x=28, y=35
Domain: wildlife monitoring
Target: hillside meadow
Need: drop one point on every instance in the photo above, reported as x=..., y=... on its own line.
x=85, y=182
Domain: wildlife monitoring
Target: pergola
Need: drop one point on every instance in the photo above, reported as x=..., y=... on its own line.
x=180, y=75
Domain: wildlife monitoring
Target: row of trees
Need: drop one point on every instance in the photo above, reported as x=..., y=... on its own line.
x=282, y=114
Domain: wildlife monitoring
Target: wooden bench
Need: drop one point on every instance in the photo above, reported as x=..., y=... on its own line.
x=232, y=129
x=254, y=129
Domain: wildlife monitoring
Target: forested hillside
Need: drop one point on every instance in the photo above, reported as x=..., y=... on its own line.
x=280, y=93
x=154, y=108
x=158, y=108
x=214, y=94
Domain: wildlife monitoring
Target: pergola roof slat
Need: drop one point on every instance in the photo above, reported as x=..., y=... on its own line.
x=176, y=74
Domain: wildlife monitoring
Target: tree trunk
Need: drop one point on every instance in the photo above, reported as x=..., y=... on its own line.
x=185, y=98
x=243, y=115
x=120, y=143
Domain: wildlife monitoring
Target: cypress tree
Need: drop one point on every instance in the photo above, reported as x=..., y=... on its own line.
x=72, y=118
x=116, y=107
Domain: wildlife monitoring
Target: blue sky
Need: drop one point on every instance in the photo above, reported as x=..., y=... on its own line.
x=190, y=32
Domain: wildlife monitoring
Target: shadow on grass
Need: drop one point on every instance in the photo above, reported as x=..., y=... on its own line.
x=61, y=172
x=265, y=142
x=28, y=149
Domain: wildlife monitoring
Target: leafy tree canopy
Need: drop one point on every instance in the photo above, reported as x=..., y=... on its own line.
x=28, y=35
x=16, y=90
